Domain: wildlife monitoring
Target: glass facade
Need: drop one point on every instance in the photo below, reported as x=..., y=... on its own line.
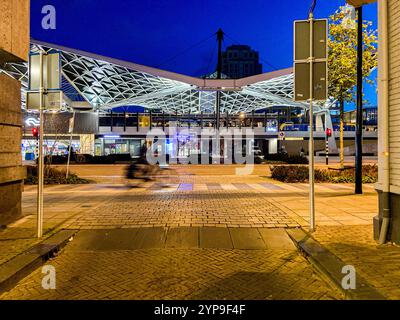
x=50, y=147
x=206, y=120
x=116, y=145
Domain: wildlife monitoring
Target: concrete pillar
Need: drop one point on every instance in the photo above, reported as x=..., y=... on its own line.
x=87, y=143
x=319, y=124
x=273, y=146
x=14, y=47
x=332, y=140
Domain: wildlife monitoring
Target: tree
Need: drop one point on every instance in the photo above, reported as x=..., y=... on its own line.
x=342, y=60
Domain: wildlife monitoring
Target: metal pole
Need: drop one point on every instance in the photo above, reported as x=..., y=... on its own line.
x=311, y=142
x=265, y=120
x=70, y=144
x=359, y=121
x=112, y=122
x=220, y=38
x=40, y=156
x=326, y=140
x=327, y=150
x=151, y=119
x=124, y=119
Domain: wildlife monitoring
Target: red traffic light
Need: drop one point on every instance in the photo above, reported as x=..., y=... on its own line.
x=35, y=132
x=328, y=132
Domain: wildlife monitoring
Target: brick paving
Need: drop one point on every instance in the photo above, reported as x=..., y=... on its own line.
x=60, y=206
x=199, y=199
x=250, y=201
x=212, y=208
x=165, y=273
x=378, y=264
x=15, y=241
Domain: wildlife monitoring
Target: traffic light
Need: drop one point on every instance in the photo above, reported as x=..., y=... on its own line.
x=35, y=132
x=329, y=132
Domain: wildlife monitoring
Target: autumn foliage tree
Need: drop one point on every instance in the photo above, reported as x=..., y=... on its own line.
x=342, y=60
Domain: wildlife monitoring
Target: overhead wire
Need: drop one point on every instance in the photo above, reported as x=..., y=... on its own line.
x=211, y=59
x=263, y=60
x=185, y=51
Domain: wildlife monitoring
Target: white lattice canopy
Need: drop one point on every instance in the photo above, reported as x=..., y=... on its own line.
x=106, y=83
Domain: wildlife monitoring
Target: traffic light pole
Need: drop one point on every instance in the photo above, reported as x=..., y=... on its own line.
x=40, y=156
x=328, y=134
x=327, y=150
x=311, y=141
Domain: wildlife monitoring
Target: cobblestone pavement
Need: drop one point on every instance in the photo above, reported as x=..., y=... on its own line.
x=378, y=264
x=199, y=199
x=89, y=272
x=204, y=201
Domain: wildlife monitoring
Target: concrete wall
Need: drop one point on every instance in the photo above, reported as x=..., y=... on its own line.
x=14, y=30
x=14, y=46
x=11, y=171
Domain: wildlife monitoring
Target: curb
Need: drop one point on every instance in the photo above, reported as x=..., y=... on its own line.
x=21, y=265
x=331, y=266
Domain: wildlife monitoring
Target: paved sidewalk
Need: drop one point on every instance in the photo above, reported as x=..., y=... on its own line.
x=153, y=263
x=200, y=199
x=58, y=209
x=205, y=201
x=378, y=264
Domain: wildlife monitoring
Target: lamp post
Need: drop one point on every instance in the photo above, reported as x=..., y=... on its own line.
x=359, y=118
x=39, y=223
x=220, y=38
x=359, y=121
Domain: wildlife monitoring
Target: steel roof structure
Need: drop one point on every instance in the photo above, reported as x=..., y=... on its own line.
x=105, y=83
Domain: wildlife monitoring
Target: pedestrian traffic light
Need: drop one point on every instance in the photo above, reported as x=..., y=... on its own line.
x=329, y=132
x=35, y=132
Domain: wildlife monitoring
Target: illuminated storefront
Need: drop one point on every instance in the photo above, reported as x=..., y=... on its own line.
x=51, y=146
x=115, y=144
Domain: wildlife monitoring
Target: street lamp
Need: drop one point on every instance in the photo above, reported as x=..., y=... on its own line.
x=359, y=121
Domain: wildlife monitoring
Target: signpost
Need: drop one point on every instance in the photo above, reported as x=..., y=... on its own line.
x=44, y=75
x=311, y=79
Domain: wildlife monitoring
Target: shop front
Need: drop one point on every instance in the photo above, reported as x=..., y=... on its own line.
x=51, y=146
x=114, y=144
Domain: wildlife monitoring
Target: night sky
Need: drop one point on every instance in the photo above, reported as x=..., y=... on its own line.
x=164, y=33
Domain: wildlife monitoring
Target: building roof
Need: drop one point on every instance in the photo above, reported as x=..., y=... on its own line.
x=106, y=83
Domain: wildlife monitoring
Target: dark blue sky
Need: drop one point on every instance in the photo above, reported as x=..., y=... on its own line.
x=151, y=32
